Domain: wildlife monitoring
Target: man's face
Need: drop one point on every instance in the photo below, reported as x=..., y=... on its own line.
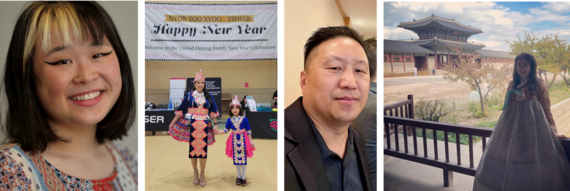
x=335, y=84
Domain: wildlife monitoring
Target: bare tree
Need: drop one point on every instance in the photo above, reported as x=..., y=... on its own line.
x=431, y=110
x=481, y=77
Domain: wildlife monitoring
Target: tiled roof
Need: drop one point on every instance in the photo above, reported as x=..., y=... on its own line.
x=465, y=45
x=394, y=46
x=451, y=24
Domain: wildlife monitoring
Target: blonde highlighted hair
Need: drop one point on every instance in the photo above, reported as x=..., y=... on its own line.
x=56, y=21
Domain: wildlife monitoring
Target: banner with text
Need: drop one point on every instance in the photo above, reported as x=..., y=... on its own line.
x=210, y=32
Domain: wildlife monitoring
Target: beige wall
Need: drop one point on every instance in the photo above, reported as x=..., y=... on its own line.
x=260, y=74
x=302, y=17
x=561, y=115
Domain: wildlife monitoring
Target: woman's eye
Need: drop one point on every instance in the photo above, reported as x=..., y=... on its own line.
x=102, y=54
x=64, y=61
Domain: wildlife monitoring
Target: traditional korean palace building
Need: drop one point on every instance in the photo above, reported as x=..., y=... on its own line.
x=432, y=49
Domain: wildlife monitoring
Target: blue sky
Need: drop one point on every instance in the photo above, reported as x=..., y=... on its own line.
x=500, y=21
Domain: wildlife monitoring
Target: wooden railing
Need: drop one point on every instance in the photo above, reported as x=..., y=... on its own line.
x=400, y=115
x=404, y=109
x=429, y=159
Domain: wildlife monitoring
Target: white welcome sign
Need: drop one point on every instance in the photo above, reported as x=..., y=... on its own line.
x=204, y=32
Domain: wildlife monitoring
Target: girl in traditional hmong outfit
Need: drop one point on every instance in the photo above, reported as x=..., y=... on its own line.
x=238, y=145
x=524, y=153
x=192, y=124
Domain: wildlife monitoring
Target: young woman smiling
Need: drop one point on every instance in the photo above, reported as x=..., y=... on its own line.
x=70, y=93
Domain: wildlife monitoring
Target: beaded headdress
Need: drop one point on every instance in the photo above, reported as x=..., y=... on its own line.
x=235, y=102
x=199, y=76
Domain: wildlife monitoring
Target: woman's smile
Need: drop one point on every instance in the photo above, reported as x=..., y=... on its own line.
x=87, y=99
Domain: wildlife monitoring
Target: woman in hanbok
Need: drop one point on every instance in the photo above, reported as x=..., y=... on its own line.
x=238, y=145
x=192, y=124
x=524, y=152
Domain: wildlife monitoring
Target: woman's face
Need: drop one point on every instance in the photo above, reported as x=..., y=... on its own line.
x=77, y=83
x=235, y=111
x=199, y=85
x=523, y=68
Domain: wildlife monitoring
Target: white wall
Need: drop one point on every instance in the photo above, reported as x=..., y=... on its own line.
x=124, y=14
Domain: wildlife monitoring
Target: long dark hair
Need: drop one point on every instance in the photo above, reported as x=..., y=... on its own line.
x=26, y=122
x=532, y=76
x=205, y=90
x=240, y=110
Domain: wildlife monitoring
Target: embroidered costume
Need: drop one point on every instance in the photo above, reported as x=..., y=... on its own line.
x=194, y=125
x=523, y=153
x=238, y=145
x=25, y=171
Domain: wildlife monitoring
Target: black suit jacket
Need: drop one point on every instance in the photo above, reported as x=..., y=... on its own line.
x=304, y=168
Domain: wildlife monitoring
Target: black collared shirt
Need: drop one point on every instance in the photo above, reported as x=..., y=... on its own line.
x=342, y=173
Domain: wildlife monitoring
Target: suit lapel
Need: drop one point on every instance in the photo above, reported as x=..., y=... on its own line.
x=305, y=157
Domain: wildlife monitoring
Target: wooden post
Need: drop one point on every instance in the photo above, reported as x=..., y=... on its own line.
x=390, y=58
x=411, y=113
x=471, y=152
x=447, y=178
x=436, y=59
x=403, y=61
x=425, y=62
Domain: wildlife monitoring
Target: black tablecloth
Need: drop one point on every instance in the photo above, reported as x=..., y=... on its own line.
x=158, y=120
x=263, y=124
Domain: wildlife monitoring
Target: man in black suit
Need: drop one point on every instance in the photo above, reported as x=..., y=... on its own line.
x=322, y=150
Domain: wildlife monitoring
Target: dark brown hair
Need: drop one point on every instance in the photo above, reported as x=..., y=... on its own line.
x=26, y=122
x=240, y=110
x=205, y=90
x=327, y=33
x=532, y=76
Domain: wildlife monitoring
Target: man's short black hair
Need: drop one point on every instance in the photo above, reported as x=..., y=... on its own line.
x=327, y=33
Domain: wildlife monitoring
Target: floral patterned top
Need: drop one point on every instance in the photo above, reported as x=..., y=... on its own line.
x=25, y=171
x=538, y=92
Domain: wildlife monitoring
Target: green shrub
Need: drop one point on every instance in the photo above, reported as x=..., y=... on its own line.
x=488, y=124
x=475, y=109
x=451, y=138
x=497, y=107
x=493, y=101
x=454, y=119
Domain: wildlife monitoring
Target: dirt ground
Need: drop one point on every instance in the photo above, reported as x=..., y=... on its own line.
x=451, y=93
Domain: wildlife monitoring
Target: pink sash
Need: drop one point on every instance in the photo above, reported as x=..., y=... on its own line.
x=229, y=146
